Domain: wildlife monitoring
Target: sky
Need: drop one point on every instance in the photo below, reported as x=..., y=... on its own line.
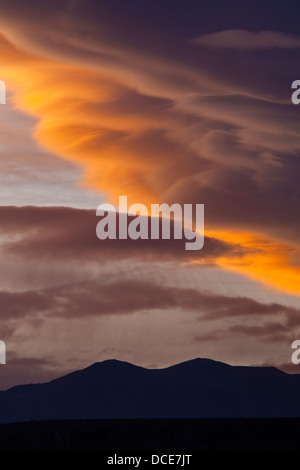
x=165, y=102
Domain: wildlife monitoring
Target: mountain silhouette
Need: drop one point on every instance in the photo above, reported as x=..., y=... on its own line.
x=200, y=388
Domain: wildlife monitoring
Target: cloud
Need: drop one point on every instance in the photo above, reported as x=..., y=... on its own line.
x=167, y=124
x=226, y=307
x=18, y=305
x=60, y=233
x=240, y=39
x=127, y=296
x=19, y=370
x=123, y=297
x=117, y=91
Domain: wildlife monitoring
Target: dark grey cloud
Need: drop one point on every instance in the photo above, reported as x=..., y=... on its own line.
x=58, y=233
x=108, y=297
x=221, y=126
x=249, y=40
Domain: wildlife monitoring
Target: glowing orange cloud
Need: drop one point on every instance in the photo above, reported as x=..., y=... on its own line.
x=81, y=119
x=268, y=260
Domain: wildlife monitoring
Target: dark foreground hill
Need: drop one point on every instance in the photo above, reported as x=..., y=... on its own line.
x=200, y=388
x=158, y=436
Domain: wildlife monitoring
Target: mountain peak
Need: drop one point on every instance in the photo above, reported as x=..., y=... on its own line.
x=190, y=362
x=196, y=388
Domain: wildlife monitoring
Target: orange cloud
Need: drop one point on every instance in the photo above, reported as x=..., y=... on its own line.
x=125, y=142
x=267, y=260
x=79, y=119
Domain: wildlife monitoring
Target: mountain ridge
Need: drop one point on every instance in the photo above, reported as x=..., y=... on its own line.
x=197, y=388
